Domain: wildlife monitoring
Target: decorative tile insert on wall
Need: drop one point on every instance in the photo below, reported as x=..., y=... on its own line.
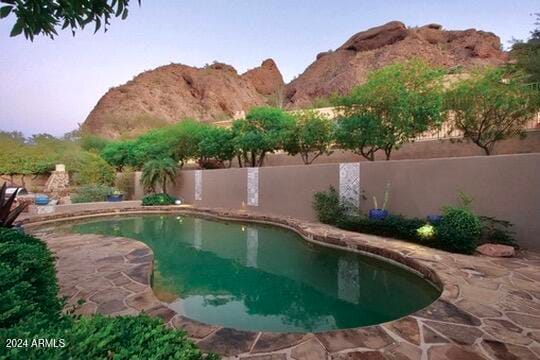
x=252, y=246
x=349, y=182
x=198, y=184
x=253, y=186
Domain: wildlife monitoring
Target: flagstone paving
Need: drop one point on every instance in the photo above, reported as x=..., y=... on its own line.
x=489, y=307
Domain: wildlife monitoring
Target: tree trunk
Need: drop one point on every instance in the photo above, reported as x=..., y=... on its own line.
x=388, y=152
x=164, y=186
x=261, y=159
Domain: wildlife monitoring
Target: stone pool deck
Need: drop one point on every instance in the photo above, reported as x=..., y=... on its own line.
x=489, y=308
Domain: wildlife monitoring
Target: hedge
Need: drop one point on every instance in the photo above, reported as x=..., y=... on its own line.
x=30, y=309
x=158, y=199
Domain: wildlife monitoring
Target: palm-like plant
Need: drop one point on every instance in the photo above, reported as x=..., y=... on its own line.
x=159, y=172
x=8, y=216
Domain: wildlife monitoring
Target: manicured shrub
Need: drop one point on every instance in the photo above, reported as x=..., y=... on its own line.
x=328, y=207
x=28, y=290
x=158, y=199
x=459, y=230
x=91, y=193
x=394, y=226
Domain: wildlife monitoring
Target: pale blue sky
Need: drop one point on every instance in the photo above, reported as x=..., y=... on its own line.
x=51, y=85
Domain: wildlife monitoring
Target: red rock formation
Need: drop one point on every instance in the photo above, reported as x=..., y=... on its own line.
x=349, y=65
x=217, y=92
x=174, y=92
x=267, y=79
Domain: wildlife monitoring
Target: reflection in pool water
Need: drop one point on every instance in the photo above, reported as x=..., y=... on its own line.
x=257, y=277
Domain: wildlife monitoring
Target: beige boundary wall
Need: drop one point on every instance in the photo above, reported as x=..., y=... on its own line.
x=505, y=186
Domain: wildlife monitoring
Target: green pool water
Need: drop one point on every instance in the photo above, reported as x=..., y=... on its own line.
x=258, y=277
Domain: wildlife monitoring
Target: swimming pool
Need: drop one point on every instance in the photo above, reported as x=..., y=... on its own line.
x=264, y=278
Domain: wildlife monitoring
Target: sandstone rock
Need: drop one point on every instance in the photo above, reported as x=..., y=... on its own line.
x=496, y=250
x=267, y=79
x=376, y=37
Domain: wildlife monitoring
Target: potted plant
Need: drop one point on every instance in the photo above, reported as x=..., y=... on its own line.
x=115, y=196
x=434, y=219
x=380, y=213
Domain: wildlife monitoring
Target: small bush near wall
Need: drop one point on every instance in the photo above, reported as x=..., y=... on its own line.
x=91, y=193
x=395, y=226
x=158, y=199
x=328, y=207
x=31, y=309
x=459, y=230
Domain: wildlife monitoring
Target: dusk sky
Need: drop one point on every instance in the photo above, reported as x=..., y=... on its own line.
x=51, y=85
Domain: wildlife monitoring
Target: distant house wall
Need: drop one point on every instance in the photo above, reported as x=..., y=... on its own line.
x=506, y=187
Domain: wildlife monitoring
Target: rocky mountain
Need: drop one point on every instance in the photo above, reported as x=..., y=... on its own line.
x=340, y=70
x=174, y=92
x=217, y=92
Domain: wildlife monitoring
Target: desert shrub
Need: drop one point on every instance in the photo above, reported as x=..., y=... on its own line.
x=394, y=226
x=459, y=230
x=94, y=170
x=125, y=182
x=28, y=290
x=328, y=207
x=91, y=193
x=497, y=231
x=158, y=199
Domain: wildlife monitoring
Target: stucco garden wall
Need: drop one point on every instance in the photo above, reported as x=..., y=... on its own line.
x=504, y=186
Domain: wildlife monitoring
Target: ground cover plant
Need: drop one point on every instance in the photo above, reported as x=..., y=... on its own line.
x=31, y=309
x=158, y=199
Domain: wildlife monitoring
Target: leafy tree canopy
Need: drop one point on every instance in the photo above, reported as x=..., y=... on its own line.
x=44, y=17
x=311, y=137
x=527, y=54
x=402, y=100
x=264, y=130
x=492, y=105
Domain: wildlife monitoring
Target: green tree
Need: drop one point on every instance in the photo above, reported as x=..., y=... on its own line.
x=218, y=144
x=119, y=154
x=187, y=135
x=312, y=136
x=263, y=131
x=44, y=17
x=94, y=170
x=403, y=100
x=159, y=172
x=527, y=54
x=93, y=143
x=490, y=106
x=361, y=133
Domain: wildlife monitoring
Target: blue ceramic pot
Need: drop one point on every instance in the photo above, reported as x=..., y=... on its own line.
x=42, y=200
x=115, y=197
x=377, y=214
x=434, y=219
